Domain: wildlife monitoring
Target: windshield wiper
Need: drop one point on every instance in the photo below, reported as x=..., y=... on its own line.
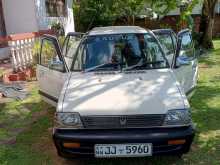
x=106, y=66
x=142, y=64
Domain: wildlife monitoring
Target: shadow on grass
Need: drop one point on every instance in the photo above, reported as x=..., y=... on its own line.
x=209, y=60
x=206, y=114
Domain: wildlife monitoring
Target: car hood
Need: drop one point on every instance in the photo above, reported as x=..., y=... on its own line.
x=146, y=92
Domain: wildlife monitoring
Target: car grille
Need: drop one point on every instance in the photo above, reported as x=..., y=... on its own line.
x=132, y=121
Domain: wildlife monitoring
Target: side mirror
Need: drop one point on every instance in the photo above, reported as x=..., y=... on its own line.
x=56, y=64
x=182, y=60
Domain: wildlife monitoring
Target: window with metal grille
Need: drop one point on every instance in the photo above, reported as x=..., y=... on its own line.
x=56, y=8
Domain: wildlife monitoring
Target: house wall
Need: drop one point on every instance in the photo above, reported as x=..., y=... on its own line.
x=196, y=10
x=23, y=16
x=216, y=30
x=20, y=16
x=165, y=22
x=45, y=22
x=171, y=22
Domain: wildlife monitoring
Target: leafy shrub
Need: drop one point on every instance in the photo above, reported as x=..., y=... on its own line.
x=47, y=50
x=58, y=28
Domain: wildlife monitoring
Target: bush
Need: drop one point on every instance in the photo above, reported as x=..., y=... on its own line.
x=47, y=50
x=58, y=28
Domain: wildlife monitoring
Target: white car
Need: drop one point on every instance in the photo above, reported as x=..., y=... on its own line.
x=120, y=91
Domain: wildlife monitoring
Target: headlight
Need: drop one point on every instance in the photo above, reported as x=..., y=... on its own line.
x=178, y=117
x=68, y=119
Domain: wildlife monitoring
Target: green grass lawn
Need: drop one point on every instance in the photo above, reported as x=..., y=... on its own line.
x=23, y=123
x=33, y=145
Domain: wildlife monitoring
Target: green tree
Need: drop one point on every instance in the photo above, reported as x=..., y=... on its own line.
x=162, y=7
x=90, y=13
x=128, y=10
x=186, y=13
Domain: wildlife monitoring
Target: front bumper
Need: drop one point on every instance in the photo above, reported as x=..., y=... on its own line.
x=159, y=138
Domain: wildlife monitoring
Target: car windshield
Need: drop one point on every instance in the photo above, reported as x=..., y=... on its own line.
x=123, y=51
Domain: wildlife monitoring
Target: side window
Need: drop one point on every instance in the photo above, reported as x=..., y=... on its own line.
x=167, y=43
x=70, y=46
x=49, y=56
x=153, y=51
x=187, y=49
x=77, y=62
x=186, y=42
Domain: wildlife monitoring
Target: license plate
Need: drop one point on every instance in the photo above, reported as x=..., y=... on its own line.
x=123, y=150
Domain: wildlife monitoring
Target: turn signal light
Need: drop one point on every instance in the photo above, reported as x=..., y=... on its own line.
x=176, y=142
x=71, y=145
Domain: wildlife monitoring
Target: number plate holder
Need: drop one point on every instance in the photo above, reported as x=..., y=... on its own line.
x=122, y=150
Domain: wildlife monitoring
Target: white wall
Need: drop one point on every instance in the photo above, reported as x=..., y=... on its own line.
x=45, y=22
x=20, y=16
x=4, y=53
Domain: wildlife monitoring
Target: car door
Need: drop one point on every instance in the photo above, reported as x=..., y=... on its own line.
x=185, y=63
x=54, y=66
x=168, y=41
x=51, y=70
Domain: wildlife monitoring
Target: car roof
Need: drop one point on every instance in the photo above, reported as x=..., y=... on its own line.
x=163, y=31
x=116, y=30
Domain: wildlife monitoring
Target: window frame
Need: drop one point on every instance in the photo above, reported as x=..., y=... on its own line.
x=75, y=57
x=56, y=46
x=66, y=42
x=179, y=46
x=173, y=44
x=191, y=43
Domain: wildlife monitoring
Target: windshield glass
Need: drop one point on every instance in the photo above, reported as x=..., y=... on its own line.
x=125, y=51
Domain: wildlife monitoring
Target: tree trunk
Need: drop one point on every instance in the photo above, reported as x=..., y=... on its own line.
x=133, y=20
x=207, y=23
x=207, y=38
x=129, y=20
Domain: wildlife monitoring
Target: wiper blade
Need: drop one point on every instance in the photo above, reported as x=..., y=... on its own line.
x=141, y=64
x=104, y=67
